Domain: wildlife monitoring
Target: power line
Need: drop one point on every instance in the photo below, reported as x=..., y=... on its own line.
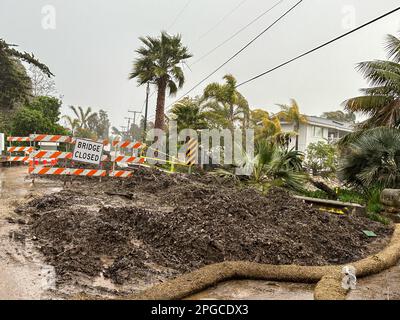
x=180, y=14
x=238, y=52
x=319, y=47
x=223, y=19
x=235, y=55
x=237, y=33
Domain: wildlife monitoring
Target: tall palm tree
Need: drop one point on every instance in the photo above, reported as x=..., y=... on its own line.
x=83, y=116
x=225, y=105
x=291, y=114
x=380, y=102
x=188, y=114
x=160, y=62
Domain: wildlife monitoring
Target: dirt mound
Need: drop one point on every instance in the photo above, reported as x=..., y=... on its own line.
x=175, y=224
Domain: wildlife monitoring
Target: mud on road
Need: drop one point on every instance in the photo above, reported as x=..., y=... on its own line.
x=155, y=226
x=23, y=275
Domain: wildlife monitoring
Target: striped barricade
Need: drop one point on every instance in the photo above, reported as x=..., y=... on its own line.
x=18, y=139
x=192, y=152
x=87, y=172
x=68, y=172
x=124, y=159
x=127, y=144
x=50, y=138
x=49, y=171
x=120, y=174
x=51, y=155
x=17, y=159
x=57, y=155
x=134, y=145
x=20, y=149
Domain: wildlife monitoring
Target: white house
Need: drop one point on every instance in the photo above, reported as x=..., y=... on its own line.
x=318, y=129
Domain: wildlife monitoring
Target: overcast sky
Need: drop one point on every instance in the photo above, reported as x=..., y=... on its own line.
x=93, y=45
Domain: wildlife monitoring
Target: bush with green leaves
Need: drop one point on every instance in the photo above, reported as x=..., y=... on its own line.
x=41, y=115
x=321, y=158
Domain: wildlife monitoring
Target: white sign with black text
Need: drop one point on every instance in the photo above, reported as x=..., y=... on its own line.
x=87, y=151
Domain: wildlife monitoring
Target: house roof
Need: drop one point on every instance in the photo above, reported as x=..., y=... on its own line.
x=327, y=123
x=333, y=124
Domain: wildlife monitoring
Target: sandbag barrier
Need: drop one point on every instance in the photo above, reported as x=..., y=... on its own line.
x=327, y=278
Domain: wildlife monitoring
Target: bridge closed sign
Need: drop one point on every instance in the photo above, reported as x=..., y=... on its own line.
x=87, y=151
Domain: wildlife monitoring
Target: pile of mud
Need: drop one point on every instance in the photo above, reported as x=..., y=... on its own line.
x=155, y=226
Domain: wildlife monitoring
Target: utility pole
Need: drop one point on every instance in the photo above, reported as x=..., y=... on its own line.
x=146, y=111
x=134, y=115
x=128, y=131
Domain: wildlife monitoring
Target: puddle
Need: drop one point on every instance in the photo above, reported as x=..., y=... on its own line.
x=257, y=290
x=383, y=286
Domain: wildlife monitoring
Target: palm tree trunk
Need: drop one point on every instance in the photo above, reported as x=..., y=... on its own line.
x=162, y=86
x=297, y=129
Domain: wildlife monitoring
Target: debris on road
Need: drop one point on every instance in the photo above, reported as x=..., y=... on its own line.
x=173, y=224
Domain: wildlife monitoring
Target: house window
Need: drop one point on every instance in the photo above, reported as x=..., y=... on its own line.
x=318, y=132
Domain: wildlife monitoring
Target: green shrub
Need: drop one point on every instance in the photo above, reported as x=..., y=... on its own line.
x=370, y=199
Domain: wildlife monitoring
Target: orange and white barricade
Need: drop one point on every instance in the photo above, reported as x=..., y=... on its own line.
x=20, y=149
x=18, y=139
x=50, y=138
x=120, y=174
x=51, y=155
x=68, y=172
x=124, y=159
x=127, y=144
x=49, y=171
x=87, y=172
x=17, y=159
x=25, y=150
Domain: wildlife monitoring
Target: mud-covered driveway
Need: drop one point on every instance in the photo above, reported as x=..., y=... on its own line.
x=22, y=273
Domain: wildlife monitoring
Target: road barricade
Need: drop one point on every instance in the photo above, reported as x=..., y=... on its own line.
x=19, y=153
x=42, y=162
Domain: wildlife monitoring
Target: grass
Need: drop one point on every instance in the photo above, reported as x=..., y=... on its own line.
x=370, y=199
x=344, y=195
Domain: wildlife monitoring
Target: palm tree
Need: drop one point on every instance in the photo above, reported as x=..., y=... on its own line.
x=83, y=116
x=72, y=123
x=373, y=160
x=265, y=126
x=225, y=105
x=274, y=165
x=340, y=116
x=188, y=115
x=380, y=102
x=159, y=62
x=291, y=114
